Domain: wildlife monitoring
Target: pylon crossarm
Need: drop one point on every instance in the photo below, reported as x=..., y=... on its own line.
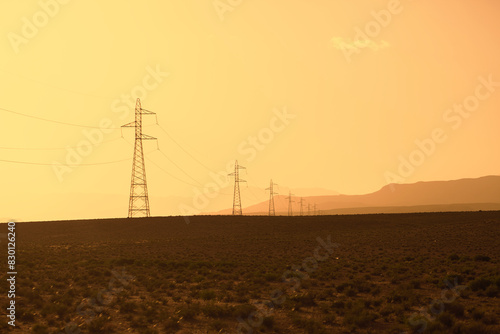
x=147, y=112
x=147, y=137
x=129, y=125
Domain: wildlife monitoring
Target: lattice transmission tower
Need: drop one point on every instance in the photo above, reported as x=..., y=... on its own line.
x=272, y=210
x=301, y=206
x=237, y=211
x=290, y=210
x=139, y=201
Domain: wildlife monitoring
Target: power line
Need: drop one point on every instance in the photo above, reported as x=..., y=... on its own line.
x=60, y=88
x=168, y=173
x=165, y=171
x=180, y=168
x=54, y=148
x=54, y=121
x=69, y=165
x=185, y=151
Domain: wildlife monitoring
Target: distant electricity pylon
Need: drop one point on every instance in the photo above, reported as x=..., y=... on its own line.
x=272, y=210
x=314, y=210
x=237, y=211
x=301, y=206
x=308, y=209
x=139, y=201
x=290, y=211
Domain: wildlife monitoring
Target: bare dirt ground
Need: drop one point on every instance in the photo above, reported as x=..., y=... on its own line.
x=436, y=272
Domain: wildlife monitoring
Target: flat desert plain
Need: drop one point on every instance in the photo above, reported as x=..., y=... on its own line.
x=384, y=273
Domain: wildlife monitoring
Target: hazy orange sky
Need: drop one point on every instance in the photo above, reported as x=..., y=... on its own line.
x=354, y=106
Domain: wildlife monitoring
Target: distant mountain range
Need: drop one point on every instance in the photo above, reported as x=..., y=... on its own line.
x=458, y=195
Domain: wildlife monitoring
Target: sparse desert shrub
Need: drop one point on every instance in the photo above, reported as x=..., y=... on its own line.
x=451, y=280
x=128, y=307
x=100, y=325
x=217, y=324
x=447, y=319
x=490, y=319
x=359, y=316
x=272, y=277
x=243, y=310
x=148, y=331
x=474, y=328
x=361, y=286
x=456, y=309
x=435, y=327
x=268, y=322
x=215, y=311
x=207, y=294
x=482, y=258
x=400, y=295
x=338, y=305
x=415, y=284
x=309, y=325
x=479, y=284
x=26, y=316
x=350, y=292
x=477, y=314
x=492, y=291
x=189, y=312
x=40, y=329
x=171, y=324
x=342, y=287
x=306, y=300
x=375, y=291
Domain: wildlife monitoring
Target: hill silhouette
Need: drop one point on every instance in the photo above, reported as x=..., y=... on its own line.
x=457, y=195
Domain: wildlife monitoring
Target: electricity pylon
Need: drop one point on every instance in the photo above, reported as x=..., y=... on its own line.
x=308, y=209
x=139, y=201
x=314, y=210
x=301, y=206
x=272, y=210
x=290, y=211
x=237, y=211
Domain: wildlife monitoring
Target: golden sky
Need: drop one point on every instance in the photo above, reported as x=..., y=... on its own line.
x=335, y=94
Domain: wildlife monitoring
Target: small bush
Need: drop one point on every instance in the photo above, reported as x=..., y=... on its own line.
x=207, y=294
x=128, y=307
x=309, y=325
x=40, y=329
x=243, y=310
x=447, y=319
x=268, y=322
x=490, y=319
x=359, y=316
x=217, y=325
x=492, y=291
x=477, y=314
x=482, y=258
x=171, y=324
x=479, y=284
